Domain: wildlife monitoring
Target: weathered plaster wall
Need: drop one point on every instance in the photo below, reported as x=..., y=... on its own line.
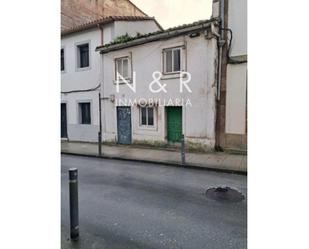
x=198, y=120
x=77, y=12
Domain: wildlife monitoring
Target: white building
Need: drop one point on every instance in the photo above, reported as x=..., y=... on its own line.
x=214, y=52
x=162, y=117
x=232, y=105
x=81, y=71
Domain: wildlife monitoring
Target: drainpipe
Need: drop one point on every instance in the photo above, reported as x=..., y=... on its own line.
x=221, y=42
x=100, y=104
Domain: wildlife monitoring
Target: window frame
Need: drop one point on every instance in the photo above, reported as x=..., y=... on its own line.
x=78, y=58
x=80, y=112
x=172, y=49
x=129, y=76
x=147, y=120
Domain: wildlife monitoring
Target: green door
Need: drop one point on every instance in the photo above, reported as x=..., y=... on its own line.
x=174, y=123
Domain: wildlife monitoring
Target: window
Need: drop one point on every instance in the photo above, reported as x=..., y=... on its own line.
x=122, y=67
x=85, y=113
x=172, y=60
x=83, y=55
x=147, y=116
x=62, y=59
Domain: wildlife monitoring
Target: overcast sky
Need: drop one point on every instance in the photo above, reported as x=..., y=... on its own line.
x=170, y=13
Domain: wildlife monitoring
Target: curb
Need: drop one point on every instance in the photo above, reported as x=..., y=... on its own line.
x=179, y=165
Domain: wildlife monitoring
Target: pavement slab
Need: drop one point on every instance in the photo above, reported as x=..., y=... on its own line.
x=218, y=161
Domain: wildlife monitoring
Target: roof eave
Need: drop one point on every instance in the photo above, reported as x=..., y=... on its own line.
x=155, y=37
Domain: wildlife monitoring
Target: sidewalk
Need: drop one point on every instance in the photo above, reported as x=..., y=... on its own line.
x=219, y=161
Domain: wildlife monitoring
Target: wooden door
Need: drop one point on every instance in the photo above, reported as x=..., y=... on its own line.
x=174, y=124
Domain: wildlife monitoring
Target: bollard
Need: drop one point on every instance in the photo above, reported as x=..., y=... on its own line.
x=183, y=153
x=74, y=226
x=100, y=143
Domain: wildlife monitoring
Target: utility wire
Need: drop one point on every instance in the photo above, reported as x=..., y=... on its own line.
x=230, y=60
x=85, y=90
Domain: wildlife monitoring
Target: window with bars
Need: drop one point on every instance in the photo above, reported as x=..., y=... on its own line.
x=85, y=113
x=83, y=55
x=122, y=67
x=147, y=116
x=172, y=60
x=62, y=59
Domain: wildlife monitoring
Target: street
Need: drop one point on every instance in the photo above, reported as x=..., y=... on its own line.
x=131, y=205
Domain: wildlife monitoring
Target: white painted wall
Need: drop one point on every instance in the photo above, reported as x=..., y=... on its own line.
x=236, y=92
x=198, y=120
x=236, y=98
x=237, y=21
x=81, y=79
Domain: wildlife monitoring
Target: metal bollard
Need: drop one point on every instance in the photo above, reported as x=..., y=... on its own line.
x=183, y=153
x=74, y=224
x=100, y=143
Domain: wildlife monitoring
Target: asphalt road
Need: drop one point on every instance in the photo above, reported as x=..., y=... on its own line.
x=130, y=205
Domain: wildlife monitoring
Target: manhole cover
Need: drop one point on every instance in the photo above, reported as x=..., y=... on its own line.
x=224, y=194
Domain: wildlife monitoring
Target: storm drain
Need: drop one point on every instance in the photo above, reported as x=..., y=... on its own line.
x=224, y=194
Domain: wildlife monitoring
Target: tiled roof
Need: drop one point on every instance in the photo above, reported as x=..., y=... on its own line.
x=106, y=20
x=128, y=41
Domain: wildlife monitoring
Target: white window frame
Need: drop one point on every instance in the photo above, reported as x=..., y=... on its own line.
x=180, y=48
x=122, y=59
x=154, y=116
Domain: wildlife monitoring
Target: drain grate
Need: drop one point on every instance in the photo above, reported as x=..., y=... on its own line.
x=224, y=194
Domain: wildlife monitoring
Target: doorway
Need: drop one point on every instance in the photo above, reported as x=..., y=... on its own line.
x=124, y=125
x=64, y=132
x=174, y=123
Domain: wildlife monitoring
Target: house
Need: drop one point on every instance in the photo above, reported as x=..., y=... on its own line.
x=231, y=130
x=81, y=70
x=180, y=61
x=157, y=85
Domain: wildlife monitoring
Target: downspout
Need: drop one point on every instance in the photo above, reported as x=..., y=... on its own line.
x=221, y=42
x=100, y=104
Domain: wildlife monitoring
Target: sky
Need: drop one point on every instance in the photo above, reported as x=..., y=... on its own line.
x=171, y=13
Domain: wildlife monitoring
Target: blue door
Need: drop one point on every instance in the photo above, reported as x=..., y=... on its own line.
x=124, y=125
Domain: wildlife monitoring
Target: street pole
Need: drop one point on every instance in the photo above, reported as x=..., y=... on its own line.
x=74, y=224
x=100, y=122
x=183, y=153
